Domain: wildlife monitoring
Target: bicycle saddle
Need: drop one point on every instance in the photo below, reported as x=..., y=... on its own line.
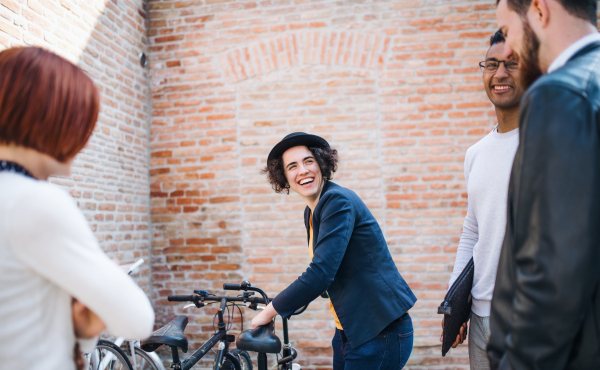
x=261, y=339
x=170, y=334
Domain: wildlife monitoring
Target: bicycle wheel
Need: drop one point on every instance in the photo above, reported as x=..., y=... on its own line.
x=230, y=362
x=143, y=361
x=108, y=356
x=243, y=357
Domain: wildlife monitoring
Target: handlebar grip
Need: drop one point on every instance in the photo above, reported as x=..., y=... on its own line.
x=180, y=298
x=232, y=286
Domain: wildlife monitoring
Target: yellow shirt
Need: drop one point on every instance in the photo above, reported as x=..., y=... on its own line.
x=310, y=253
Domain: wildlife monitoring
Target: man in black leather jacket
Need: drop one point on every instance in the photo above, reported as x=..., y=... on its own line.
x=546, y=305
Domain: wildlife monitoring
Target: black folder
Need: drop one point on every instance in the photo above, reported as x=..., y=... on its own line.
x=456, y=307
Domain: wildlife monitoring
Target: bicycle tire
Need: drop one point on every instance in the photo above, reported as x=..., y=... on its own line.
x=243, y=358
x=230, y=362
x=120, y=361
x=143, y=361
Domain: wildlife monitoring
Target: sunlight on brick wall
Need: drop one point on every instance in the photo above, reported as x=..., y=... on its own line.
x=110, y=178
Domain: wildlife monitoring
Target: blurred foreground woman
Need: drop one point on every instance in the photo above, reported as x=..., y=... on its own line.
x=56, y=284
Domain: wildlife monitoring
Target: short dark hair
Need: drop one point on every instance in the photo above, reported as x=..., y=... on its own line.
x=497, y=38
x=327, y=159
x=584, y=9
x=46, y=102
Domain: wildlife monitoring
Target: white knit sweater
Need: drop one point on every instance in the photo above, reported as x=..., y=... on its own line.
x=488, y=164
x=48, y=254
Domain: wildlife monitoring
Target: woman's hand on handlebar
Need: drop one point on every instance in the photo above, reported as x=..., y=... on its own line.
x=264, y=317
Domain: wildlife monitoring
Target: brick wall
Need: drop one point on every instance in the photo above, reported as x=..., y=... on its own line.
x=110, y=178
x=394, y=86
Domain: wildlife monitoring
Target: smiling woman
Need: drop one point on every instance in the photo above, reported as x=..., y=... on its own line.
x=350, y=261
x=326, y=158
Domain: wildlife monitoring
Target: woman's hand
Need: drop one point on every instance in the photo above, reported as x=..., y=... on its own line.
x=86, y=324
x=264, y=317
x=460, y=338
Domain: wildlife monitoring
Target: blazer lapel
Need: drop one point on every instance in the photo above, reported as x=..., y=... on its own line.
x=306, y=223
x=316, y=218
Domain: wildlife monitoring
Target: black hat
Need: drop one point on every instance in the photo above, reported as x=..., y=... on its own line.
x=296, y=139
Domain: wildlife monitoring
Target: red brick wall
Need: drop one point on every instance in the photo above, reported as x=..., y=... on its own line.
x=110, y=178
x=394, y=86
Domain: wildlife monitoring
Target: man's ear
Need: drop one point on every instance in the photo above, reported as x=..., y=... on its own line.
x=538, y=14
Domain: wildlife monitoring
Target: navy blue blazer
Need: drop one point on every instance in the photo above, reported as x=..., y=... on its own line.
x=352, y=262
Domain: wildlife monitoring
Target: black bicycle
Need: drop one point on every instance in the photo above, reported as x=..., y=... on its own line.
x=172, y=334
x=263, y=339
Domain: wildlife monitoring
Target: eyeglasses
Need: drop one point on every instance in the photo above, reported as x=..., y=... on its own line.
x=491, y=66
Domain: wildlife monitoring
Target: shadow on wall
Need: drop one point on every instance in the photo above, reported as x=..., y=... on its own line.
x=110, y=176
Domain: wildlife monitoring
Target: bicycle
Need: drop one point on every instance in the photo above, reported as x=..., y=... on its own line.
x=172, y=334
x=106, y=356
x=138, y=359
x=263, y=339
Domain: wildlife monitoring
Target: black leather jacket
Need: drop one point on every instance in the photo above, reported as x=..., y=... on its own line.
x=546, y=306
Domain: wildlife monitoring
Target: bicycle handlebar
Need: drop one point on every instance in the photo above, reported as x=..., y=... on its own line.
x=214, y=298
x=135, y=265
x=232, y=286
x=245, y=286
x=180, y=298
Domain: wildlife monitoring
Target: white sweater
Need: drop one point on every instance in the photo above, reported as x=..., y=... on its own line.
x=48, y=254
x=488, y=164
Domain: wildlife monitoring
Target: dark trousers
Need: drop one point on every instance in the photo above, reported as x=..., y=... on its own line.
x=389, y=350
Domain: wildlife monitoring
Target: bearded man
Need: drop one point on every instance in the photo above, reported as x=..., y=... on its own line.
x=545, y=310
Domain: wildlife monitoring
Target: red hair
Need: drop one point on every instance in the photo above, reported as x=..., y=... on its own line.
x=46, y=102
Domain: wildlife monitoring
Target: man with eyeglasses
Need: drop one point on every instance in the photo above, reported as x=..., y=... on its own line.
x=487, y=172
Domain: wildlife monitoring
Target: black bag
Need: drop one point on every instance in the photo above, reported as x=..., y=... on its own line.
x=456, y=307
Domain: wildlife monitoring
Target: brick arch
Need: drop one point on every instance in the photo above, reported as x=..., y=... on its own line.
x=342, y=48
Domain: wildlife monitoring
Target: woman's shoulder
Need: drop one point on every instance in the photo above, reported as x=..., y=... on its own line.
x=337, y=192
x=26, y=194
x=335, y=197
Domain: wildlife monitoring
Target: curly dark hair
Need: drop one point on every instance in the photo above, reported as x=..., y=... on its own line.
x=327, y=159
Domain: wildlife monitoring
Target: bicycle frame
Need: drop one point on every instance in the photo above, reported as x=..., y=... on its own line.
x=223, y=348
x=288, y=353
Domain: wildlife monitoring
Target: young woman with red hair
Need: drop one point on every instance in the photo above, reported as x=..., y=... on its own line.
x=56, y=284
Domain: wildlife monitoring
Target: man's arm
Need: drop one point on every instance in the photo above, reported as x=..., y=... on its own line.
x=469, y=235
x=556, y=235
x=464, y=252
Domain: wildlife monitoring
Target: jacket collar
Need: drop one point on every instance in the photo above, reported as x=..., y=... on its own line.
x=574, y=50
x=326, y=187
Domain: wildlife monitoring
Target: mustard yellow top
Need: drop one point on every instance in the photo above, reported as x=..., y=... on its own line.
x=310, y=253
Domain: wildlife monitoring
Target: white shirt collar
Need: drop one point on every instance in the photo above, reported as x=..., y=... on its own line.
x=564, y=57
